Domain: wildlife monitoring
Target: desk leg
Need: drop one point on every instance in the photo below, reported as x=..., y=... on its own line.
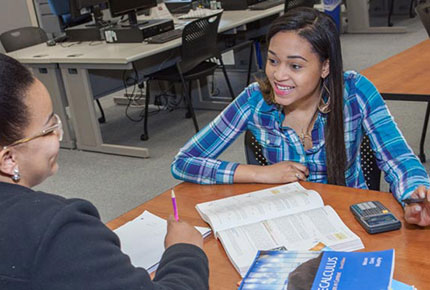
x=358, y=19
x=202, y=99
x=50, y=76
x=423, y=134
x=87, y=128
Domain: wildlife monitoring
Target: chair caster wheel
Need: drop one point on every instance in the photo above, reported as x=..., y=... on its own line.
x=144, y=137
x=102, y=120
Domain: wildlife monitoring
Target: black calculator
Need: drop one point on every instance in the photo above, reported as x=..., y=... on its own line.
x=375, y=217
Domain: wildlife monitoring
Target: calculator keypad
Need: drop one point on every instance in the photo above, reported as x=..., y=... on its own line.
x=372, y=208
x=375, y=217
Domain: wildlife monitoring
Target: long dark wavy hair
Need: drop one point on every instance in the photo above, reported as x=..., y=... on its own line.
x=321, y=32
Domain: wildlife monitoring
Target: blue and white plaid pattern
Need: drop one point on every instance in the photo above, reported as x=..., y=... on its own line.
x=365, y=112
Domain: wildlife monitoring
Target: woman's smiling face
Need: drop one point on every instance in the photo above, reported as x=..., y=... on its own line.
x=294, y=69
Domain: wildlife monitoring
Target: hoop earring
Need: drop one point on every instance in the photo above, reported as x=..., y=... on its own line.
x=324, y=107
x=16, y=175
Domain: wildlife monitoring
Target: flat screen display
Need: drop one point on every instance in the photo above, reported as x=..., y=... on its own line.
x=76, y=6
x=88, y=3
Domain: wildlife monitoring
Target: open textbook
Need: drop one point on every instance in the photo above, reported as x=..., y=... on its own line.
x=287, y=216
x=142, y=239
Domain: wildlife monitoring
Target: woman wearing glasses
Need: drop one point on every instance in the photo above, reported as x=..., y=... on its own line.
x=49, y=242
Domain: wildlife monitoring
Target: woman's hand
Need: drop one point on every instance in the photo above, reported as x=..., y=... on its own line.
x=182, y=232
x=282, y=172
x=419, y=213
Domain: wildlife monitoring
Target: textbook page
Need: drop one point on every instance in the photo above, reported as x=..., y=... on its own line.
x=258, y=205
x=142, y=239
x=299, y=231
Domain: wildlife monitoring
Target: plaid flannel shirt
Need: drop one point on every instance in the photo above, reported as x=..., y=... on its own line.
x=365, y=112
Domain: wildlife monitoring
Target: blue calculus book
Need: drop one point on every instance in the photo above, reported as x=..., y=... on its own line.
x=270, y=269
x=327, y=270
x=355, y=271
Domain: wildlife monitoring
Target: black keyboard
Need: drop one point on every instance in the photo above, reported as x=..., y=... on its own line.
x=165, y=36
x=266, y=4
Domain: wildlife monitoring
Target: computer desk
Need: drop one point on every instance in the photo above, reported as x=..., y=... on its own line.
x=75, y=74
x=405, y=77
x=411, y=243
x=358, y=19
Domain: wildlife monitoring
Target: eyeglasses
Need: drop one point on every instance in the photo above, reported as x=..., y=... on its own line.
x=57, y=128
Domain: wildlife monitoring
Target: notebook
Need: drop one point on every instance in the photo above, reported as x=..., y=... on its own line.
x=142, y=239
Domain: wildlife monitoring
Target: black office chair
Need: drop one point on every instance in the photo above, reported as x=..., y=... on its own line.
x=22, y=37
x=372, y=173
x=290, y=4
x=199, y=48
x=253, y=150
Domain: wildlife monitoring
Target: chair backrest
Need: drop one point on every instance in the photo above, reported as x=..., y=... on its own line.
x=290, y=4
x=199, y=41
x=253, y=150
x=372, y=173
x=22, y=37
x=423, y=11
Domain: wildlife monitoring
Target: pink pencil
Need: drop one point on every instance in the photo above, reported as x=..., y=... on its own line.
x=175, y=207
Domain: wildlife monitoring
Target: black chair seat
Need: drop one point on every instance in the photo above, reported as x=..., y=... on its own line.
x=204, y=69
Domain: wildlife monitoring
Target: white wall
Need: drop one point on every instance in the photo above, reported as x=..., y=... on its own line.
x=16, y=13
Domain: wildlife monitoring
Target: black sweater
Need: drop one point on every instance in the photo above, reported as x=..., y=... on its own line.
x=49, y=242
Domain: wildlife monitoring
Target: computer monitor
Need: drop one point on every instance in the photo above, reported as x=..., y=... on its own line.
x=130, y=7
x=80, y=7
x=179, y=6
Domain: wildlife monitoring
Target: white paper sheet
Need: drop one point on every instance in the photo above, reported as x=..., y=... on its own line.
x=142, y=239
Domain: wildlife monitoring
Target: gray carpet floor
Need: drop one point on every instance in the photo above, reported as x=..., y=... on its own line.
x=116, y=184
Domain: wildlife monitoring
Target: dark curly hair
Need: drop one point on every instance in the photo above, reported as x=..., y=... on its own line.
x=15, y=79
x=321, y=32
